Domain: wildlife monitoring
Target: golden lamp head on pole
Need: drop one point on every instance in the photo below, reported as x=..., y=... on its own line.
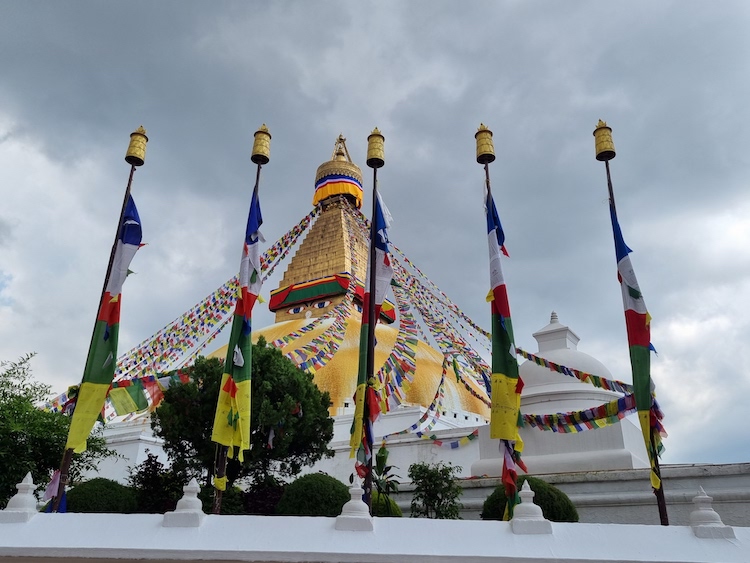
x=605, y=147
x=485, y=148
x=261, y=146
x=375, y=150
x=136, y=154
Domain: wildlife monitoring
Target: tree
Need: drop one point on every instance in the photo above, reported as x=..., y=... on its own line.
x=32, y=439
x=436, y=491
x=185, y=417
x=157, y=489
x=290, y=425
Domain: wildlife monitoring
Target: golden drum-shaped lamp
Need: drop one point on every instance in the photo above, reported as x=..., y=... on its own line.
x=485, y=147
x=605, y=147
x=375, y=149
x=261, y=146
x=136, y=154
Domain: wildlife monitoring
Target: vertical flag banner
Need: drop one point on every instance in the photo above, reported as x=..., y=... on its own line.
x=232, y=421
x=102, y=357
x=638, y=323
x=505, y=384
x=361, y=432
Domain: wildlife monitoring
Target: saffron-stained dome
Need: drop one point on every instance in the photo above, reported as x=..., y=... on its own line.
x=339, y=375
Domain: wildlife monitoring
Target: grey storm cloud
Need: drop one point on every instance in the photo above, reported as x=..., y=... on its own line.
x=670, y=78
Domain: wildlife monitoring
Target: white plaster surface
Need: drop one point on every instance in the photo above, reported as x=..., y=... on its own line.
x=619, y=446
x=80, y=537
x=133, y=440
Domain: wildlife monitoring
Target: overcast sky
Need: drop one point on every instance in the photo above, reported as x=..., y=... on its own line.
x=671, y=78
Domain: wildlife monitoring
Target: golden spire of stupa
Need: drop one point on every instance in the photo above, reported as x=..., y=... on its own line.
x=334, y=252
x=339, y=176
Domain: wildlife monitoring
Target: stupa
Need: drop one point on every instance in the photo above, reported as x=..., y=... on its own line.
x=616, y=446
x=429, y=377
x=325, y=280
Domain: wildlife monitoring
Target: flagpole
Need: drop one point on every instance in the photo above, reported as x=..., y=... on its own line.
x=375, y=160
x=605, y=151
x=260, y=156
x=486, y=155
x=135, y=156
x=609, y=187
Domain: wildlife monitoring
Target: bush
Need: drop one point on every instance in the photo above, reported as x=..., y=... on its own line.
x=101, y=495
x=316, y=494
x=231, y=500
x=262, y=498
x=383, y=505
x=436, y=491
x=555, y=504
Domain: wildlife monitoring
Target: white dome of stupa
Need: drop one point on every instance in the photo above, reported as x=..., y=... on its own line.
x=546, y=391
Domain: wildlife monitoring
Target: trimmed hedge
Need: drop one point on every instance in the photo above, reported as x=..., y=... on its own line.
x=231, y=500
x=102, y=495
x=315, y=494
x=382, y=508
x=555, y=504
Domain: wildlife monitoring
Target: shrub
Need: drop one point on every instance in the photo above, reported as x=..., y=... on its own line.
x=383, y=478
x=262, y=497
x=383, y=505
x=231, y=500
x=555, y=504
x=436, y=491
x=101, y=495
x=316, y=494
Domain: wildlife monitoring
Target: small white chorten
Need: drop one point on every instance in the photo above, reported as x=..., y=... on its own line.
x=619, y=446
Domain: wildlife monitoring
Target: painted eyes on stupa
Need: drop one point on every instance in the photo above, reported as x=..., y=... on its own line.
x=297, y=309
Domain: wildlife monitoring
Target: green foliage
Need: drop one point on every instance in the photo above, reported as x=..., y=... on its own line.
x=16, y=381
x=232, y=501
x=101, y=495
x=385, y=483
x=185, y=418
x=263, y=496
x=436, y=491
x=315, y=494
x=383, y=505
x=555, y=504
x=284, y=398
x=157, y=489
x=32, y=439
